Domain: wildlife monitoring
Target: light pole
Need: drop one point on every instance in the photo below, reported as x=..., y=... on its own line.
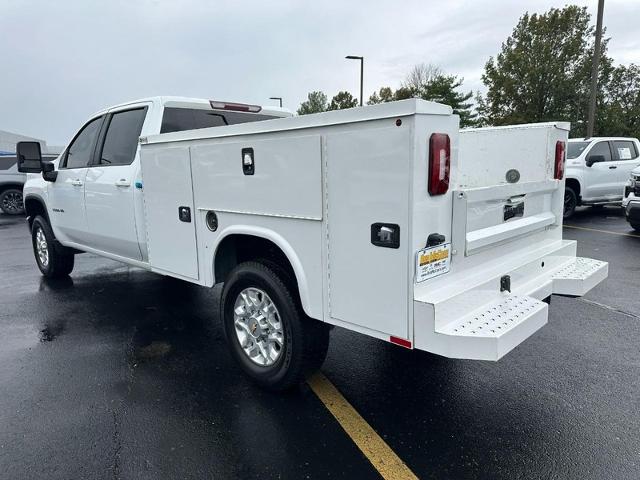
x=277, y=98
x=355, y=57
x=594, y=72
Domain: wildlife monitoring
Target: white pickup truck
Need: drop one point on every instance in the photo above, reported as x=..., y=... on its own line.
x=386, y=220
x=597, y=170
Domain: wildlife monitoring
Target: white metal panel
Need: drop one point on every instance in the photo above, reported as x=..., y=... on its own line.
x=167, y=184
x=486, y=154
x=368, y=176
x=287, y=180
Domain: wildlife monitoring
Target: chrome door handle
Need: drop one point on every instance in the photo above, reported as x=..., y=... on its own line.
x=76, y=183
x=123, y=182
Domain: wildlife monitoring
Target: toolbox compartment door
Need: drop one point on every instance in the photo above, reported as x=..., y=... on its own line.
x=167, y=187
x=368, y=178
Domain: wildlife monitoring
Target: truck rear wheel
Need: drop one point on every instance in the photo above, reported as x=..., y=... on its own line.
x=51, y=262
x=267, y=331
x=11, y=201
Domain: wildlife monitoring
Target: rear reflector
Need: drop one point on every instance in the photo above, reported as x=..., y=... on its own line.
x=439, y=163
x=236, y=107
x=400, y=341
x=558, y=171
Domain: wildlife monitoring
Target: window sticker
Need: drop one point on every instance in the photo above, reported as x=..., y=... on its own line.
x=624, y=153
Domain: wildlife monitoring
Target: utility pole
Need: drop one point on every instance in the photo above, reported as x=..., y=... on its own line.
x=355, y=57
x=594, y=71
x=277, y=98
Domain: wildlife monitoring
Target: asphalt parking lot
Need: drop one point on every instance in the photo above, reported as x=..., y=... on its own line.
x=119, y=373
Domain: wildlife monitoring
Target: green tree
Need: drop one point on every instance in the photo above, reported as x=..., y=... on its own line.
x=430, y=83
x=385, y=94
x=543, y=70
x=619, y=111
x=316, y=102
x=343, y=100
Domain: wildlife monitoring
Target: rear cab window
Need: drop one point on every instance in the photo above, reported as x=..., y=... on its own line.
x=121, y=140
x=176, y=119
x=624, y=150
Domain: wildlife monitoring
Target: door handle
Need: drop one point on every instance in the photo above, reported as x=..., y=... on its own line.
x=123, y=182
x=76, y=183
x=611, y=167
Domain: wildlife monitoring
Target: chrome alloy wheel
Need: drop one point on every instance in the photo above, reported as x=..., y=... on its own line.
x=258, y=326
x=12, y=203
x=42, y=247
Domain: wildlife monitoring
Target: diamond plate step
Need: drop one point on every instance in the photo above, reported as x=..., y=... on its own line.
x=579, y=276
x=493, y=330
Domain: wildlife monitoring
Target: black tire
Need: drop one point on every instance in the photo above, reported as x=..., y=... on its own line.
x=11, y=201
x=305, y=341
x=570, y=202
x=58, y=264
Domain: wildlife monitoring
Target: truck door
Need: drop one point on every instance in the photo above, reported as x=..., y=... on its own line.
x=626, y=158
x=110, y=184
x=600, y=180
x=66, y=194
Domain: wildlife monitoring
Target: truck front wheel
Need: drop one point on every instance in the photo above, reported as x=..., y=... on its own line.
x=11, y=201
x=570, y=202
x=51, y=262
x=267, y=331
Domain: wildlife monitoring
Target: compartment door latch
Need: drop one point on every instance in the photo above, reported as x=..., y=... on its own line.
x=505, y=283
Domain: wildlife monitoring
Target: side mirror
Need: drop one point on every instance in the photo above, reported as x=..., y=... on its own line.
x=594, y=159
x=29, y=157
x=49, y=171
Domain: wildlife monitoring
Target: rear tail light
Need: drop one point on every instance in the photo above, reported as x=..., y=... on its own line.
x=558, y=171
x=236, y=107
x=439, y=163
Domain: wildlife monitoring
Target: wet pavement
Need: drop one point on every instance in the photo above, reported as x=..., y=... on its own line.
x=120, y=373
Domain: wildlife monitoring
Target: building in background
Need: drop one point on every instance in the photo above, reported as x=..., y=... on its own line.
x=8, y=142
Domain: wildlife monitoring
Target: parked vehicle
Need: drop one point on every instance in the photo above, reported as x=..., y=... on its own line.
x=631, y=202
x=385, y=220
x=597, y=170
x=11, y=183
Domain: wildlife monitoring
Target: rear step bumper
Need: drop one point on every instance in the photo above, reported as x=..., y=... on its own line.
x=491, y=330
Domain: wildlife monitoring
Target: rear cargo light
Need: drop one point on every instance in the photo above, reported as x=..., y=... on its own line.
x=558, y=171
x=439, y=163
x=236, y=107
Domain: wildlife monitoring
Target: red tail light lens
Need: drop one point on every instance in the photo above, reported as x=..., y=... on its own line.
x=558, y=171
x=439, y=163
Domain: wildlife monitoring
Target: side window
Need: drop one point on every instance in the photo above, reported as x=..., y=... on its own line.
x=81, y=149
x=601, y=148
x=624, y=150
x=121, y=140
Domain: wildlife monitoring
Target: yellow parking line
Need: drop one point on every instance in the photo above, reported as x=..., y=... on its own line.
x=603, y=231
x=384, y=460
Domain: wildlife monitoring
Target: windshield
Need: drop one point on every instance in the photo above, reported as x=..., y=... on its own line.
x=574, y=149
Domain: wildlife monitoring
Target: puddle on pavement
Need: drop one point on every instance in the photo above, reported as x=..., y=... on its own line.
x=153, y=350
x=51, y=331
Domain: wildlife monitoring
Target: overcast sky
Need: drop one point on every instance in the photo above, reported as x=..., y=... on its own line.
x=63, y=60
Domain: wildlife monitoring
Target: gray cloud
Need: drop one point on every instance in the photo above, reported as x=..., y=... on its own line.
x=61, y=61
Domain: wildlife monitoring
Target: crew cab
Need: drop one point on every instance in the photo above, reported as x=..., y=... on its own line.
x=597, y=170
x=631, y=201
x=386, y=220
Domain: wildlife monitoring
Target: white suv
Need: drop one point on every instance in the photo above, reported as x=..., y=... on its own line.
x=597, y=170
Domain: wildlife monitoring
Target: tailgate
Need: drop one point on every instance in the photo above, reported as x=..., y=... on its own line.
x=505, y=188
